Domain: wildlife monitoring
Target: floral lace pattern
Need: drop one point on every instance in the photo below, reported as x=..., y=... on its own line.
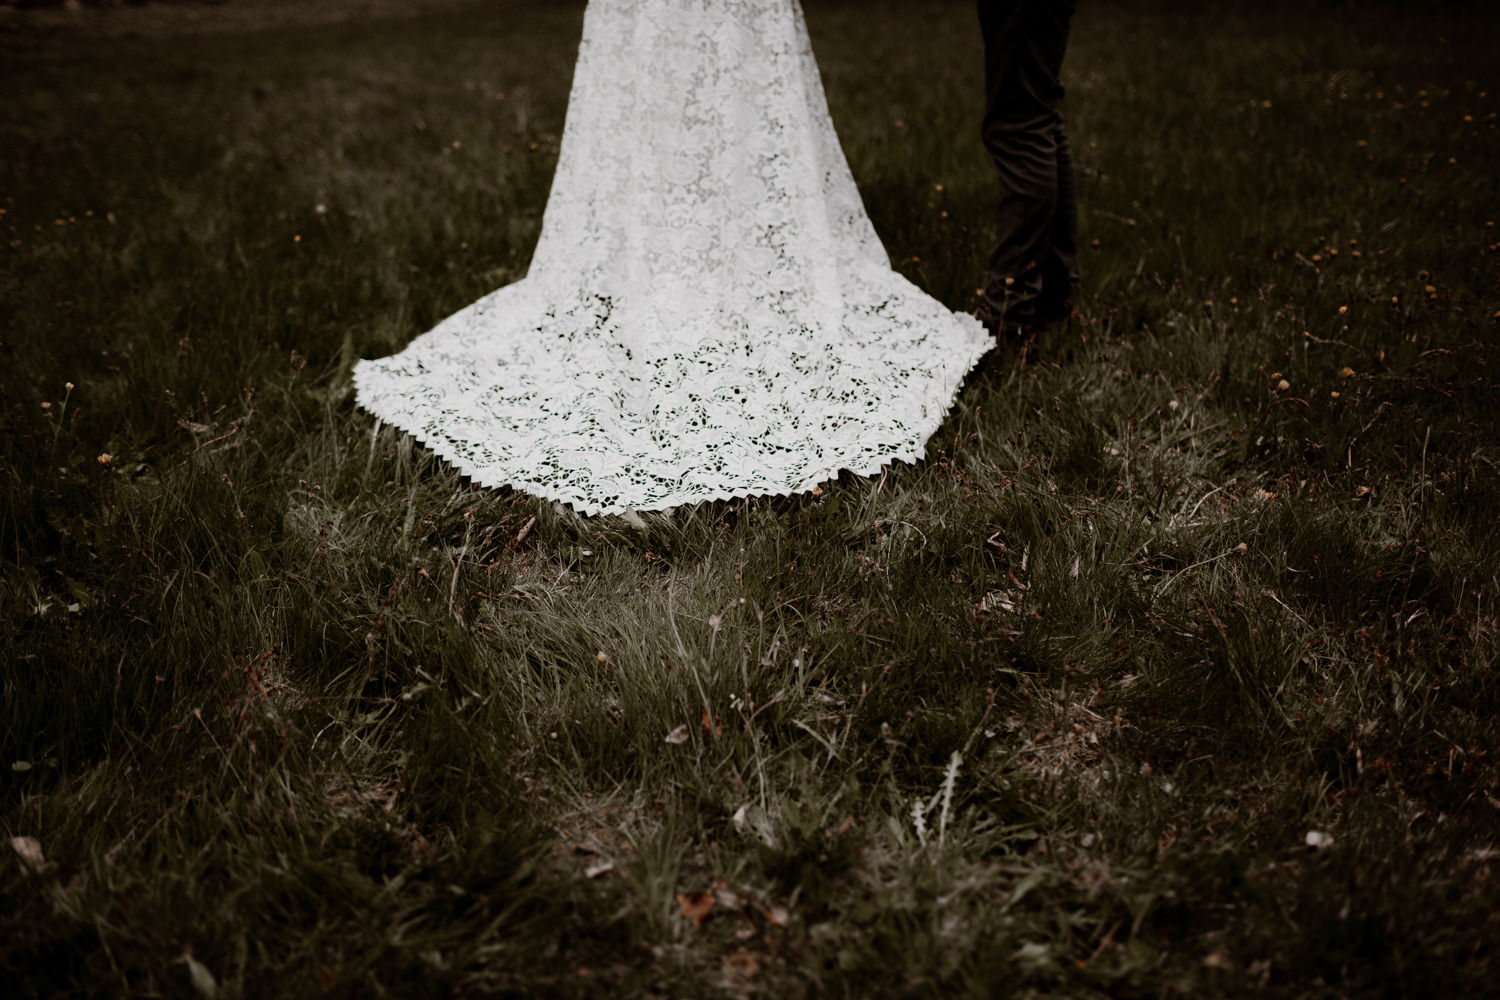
x=708, y=313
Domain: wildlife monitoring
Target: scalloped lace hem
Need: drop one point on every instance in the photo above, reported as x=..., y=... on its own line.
x=709, y=312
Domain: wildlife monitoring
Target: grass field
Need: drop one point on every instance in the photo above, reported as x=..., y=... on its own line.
x=1169, y=672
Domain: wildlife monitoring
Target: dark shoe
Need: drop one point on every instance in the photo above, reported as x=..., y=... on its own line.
x=1013, y=342
x=1027, y=325
x=1006, y=327
x=1059, y=313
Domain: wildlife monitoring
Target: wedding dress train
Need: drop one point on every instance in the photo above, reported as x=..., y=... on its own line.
x=708, y=313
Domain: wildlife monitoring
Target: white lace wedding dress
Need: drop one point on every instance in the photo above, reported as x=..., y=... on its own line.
x=708, y=313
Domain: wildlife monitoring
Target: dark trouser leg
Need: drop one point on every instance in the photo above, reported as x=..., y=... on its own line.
x=1031, y=269
x=1060, y=267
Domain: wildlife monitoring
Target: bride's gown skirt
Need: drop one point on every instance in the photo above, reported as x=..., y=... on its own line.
x=708, y=313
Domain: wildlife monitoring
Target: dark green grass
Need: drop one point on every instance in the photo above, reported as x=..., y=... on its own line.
x=285, y=696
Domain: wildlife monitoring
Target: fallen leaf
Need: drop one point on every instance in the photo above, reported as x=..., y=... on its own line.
x=30, y=850
x=601, y=868
x=696, y=906
x=678, y=735
x=726, y=898
x=778, y=915
x=203, y=980
x=1318, y=839
x=739, y=819
x=590, y=844
x=709, y=725
x=997, y=600
x=740, y=967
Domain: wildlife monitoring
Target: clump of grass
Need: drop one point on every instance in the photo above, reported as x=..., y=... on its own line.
x=1170, y=670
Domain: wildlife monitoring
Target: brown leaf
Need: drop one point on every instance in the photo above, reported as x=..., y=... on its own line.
x=696, y=906
x=678, y=735
x=591, y=844
x=709, y=726
x=740, y=967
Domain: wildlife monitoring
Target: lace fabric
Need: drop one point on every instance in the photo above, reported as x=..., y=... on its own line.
x=708, y=313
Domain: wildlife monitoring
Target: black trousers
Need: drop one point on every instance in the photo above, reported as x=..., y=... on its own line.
x=1032, y=268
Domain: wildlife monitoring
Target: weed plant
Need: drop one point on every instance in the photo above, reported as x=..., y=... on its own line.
x=1170, y=671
